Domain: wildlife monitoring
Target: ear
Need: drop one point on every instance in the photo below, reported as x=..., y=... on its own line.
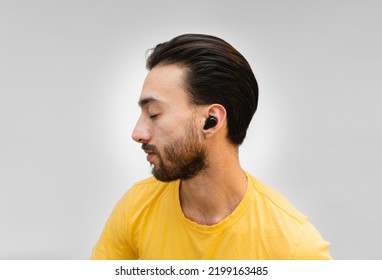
x=219, y=113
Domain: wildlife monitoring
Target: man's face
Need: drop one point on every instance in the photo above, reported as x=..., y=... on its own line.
x=167, y=127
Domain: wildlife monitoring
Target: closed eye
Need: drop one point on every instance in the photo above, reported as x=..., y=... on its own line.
x=153, y=116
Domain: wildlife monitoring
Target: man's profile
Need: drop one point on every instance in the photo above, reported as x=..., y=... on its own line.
x=197, y=102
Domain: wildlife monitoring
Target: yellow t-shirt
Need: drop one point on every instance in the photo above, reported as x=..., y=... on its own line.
x=148, y=223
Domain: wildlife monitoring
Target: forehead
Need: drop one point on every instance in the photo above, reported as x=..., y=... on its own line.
x=164, y=85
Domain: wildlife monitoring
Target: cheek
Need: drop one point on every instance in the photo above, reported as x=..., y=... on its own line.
x=167, y=127
x=163, y=133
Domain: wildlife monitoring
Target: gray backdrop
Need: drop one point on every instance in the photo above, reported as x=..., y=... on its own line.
x=70, y=77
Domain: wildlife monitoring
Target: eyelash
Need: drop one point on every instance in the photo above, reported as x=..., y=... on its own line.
x=153, y=116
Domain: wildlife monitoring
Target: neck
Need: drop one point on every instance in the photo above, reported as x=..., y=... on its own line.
x=215, y=193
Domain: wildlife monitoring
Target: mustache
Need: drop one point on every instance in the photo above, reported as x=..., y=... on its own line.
x=150, y=148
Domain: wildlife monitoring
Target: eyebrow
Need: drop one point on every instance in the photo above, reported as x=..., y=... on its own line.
x=143, y=102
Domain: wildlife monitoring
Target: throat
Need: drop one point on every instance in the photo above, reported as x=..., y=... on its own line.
x=210, y=210
x=208, y=201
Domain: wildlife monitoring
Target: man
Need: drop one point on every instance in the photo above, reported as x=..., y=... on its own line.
x=196, y=104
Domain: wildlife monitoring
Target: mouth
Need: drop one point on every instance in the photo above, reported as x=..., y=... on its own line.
x=150, y=155
x=150, y=150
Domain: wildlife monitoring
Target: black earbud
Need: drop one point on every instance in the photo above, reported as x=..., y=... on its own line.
x=210, y=122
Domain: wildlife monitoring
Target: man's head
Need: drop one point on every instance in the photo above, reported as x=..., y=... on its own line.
x=215, y=74
x=199, y=94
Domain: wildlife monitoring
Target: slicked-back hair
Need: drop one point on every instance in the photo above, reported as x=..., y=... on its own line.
x=215, y=73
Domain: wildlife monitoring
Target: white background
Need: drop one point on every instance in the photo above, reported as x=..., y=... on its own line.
x=70, y=77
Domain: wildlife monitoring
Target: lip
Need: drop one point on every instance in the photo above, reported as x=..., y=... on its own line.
x=150, y=155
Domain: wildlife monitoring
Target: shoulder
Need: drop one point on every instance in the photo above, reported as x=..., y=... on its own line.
x=148, y=187
x=268, y=198
x=145, y=192
x=117, y=239
x=286, y=226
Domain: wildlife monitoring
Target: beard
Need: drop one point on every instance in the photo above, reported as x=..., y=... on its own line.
x=182, y=159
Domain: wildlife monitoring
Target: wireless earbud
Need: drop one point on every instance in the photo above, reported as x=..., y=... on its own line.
x=210, y=122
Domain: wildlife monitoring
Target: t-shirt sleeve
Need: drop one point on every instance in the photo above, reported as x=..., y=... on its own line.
x=310, y=245
x=114, y=243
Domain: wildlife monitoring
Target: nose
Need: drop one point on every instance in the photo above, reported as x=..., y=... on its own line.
x=141, y=132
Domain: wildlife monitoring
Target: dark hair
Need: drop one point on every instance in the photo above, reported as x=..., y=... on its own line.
x=216, y=73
